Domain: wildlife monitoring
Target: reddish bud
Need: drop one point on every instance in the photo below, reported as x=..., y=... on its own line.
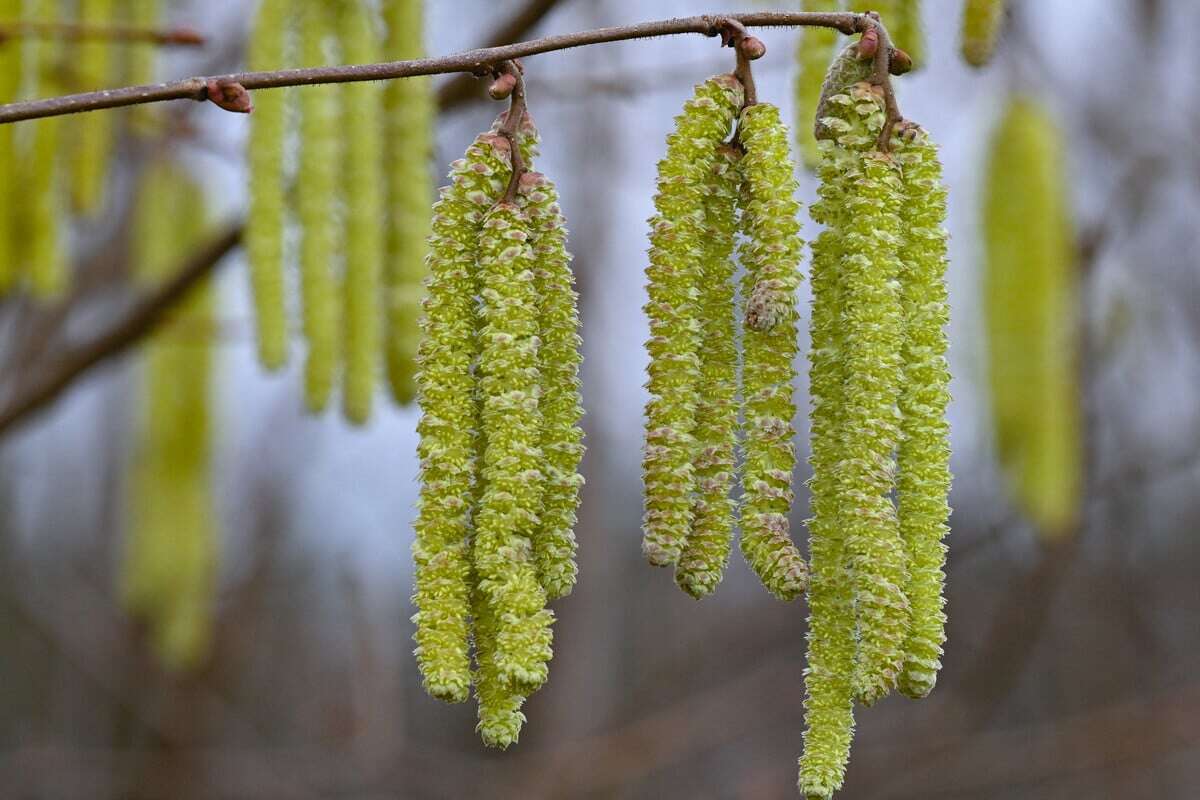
x=868, y=45
x=752, y=48
x=229, y=96
x=503, y=86
x=901, y=62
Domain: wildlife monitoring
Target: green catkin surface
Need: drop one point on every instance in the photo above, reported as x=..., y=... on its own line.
x=702, y=562
x=10, y=86
x=362, y=304
x=170, y=558
x=449, y=421
x=874, y=334
x=770, y=252
x=829, y=704
x=93, y=133
x=316, y=193
x=846, y=70
x=265, y=217
x=561, y=407
x=923, y=458
x=1030, y=296
x=676, y=247
x=906, y=30
x=815, y=49
x=409, y=111
x=981, y=23
x=40, y=167
x=510, y=504
x=499, y=704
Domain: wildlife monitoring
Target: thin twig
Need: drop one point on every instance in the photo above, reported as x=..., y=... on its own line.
x=477, y=62
x=79, y=31
x=145, y=316
x=512, y=125
x=881, y=77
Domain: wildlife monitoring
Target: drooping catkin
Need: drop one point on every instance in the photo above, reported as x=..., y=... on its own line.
x=449, y=421
x=814, y=50
x=676, y=247
x=510, y=503
x=874, y=330
x=142, y=57
x=923, y=457
x=93, y=133
x=702, y=562
x=981, y=24
x=170, y=557
x=409, y=111
x=41, y=167
x=906, y=30
x=316, y=193
x=770, y=252
x=266, y=214
x=499, y=704
x=10, y=86
x=1030, y=292
x=362, y=305
x=561, y=408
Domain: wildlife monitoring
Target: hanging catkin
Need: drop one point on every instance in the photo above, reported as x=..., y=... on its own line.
x=10, y=87
x=316, y=193
x=142, y=57
x=906, y=30
x=409, y=114
x=1029, y=305
x=770, y=252
x=923, y=457
x=449, y=421
x=170, y=557
x=814, y=50
x=265, y=217
x=702, y=562
x=41, y=167
x=981, y=24
x=362, y=121
x=560, y=404
x=92, y=132
x=676, y=248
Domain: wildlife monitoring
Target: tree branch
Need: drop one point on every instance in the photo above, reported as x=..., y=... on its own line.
x=477, y=62
x=145, y=316
x=76, y=31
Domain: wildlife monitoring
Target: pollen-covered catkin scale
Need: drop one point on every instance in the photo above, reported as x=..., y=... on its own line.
x=10, y=85
x=316, y=193
x=702, y=562
x=449, y=421
x=676, y=247
x=499, y=704
x=362, y=306
x=510, y=505
x=770, y=252
x=814, y=50
x=981, y=24
x=93, y=132
x=265, y=217
x=846, y=70
x=408, y=145
x=1030, y=296
x=874, y=331
x=923, y=457
x=560, y=404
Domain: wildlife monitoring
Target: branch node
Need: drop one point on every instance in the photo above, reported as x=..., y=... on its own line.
x=229, y=95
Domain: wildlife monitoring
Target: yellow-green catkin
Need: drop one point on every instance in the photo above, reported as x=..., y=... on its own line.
x=923, y=457
x=92, y=133
x=906, y=30
x=499, y=704
x=409, y=112
x=510, y=504
x=315, y=196
x=10, y=86
x=362, y=304
x=676, y=249
x=41, y=167
x=170, y=557
x=1030, y=292
x=815, y=49
x=266, y=213
x=873, y=326
x=449, y=424
x=981, y=24
x=702, y=562
x=770, y=252
x=560, y=404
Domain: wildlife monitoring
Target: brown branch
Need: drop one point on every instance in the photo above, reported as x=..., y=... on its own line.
x=477, y=62
x=511, y=126
x=78, y=31
x=147, y=314
x=881, y=77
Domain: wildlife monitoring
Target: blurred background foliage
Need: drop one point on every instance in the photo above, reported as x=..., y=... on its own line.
x=1073, y=652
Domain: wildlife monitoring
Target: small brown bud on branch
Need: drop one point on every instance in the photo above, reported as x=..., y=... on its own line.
x=229, y=96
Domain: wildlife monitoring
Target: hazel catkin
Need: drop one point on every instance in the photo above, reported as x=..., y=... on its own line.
x=981, y=24
x=814, y=50
x=10, y=85
x=93, y=132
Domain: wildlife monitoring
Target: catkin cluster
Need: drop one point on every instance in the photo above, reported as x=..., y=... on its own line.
x=879, y=384
x=358, y=193
x=709, y=192
x=500, y=441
